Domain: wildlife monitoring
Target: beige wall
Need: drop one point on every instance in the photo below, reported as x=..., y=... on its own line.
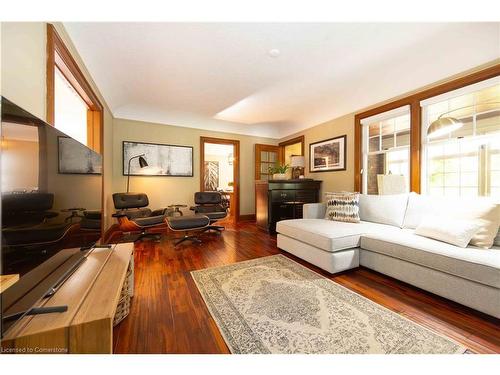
x=163, y=191
x=332, y=181
x=23, y=81
x=16, y=155
x=23, y=65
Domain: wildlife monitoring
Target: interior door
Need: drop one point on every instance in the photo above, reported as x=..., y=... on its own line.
x=265, y=156
x=219, y=170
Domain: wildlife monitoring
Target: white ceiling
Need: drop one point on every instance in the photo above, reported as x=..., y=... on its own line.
x=219, y=76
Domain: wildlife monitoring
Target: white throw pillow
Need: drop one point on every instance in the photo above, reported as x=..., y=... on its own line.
x=418, y=207
x=343, y=206
x=453, y=231
x=489, y=218
x=483, y=209
x=384, y=209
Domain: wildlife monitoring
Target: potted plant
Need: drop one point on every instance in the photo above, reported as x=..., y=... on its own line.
x=279, y=171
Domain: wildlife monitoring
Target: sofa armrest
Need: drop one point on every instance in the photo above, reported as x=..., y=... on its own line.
x=314, y=211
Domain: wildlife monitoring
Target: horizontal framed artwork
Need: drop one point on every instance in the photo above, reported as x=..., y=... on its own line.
x=76, y=158
x=328, y=155
x=162, y=159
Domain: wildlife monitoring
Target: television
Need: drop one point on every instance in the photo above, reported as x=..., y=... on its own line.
x=51, y=206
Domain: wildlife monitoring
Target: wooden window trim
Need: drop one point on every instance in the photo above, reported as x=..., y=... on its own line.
x=236, y=168
x=415, y=122
x=300, y=139
x=59, y=56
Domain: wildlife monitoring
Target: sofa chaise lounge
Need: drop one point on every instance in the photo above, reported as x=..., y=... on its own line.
x=385, y=241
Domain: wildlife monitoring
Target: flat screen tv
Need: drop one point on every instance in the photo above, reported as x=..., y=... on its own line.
x=51, y=188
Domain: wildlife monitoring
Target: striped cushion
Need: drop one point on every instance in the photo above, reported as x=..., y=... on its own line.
x=342, y=206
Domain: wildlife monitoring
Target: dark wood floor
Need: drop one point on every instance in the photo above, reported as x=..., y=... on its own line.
x=168, y=314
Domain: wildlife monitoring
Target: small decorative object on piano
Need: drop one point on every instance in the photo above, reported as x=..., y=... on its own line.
x=279, y=171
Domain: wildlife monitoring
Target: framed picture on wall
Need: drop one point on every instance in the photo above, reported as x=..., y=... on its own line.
x=75, y=158
x=162, y=160
x=328, y=155
x=211, y=176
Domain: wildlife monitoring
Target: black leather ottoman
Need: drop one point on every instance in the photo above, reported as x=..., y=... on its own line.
x=187, y=223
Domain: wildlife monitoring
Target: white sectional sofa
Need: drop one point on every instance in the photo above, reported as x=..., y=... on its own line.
x=385, y=241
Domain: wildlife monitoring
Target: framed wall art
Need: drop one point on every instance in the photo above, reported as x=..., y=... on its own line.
x=211, y=176
x=75, y=158
x=162, y=160
x=328, y=155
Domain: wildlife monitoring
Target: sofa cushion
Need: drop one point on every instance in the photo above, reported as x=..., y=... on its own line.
x=485, y=210
x=456, y=232
x=480, y=265
x=330, y=235
x=342, y=207
x=383, y=209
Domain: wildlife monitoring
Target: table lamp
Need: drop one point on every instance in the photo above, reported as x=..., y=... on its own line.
x=297, y=162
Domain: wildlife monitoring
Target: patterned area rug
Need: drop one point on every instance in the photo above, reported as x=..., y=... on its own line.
x=275, y=305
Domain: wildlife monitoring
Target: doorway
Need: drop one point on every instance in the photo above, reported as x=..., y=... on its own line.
x=291, y=147
x=219, y=170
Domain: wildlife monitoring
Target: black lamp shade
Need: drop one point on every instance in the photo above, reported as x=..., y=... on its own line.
x=142, y=162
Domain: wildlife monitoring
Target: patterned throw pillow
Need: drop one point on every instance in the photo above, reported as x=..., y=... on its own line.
x=342, y=206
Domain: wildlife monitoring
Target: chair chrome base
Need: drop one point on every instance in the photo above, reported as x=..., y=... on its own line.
x=217, y=228
x=186, y=237
x=145, y=235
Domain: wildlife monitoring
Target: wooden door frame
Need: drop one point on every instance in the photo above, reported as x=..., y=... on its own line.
x=58, y=56
x=415, y=122
x=236, y=167
x=300, y=139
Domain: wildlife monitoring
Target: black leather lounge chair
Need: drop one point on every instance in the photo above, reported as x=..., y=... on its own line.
x=27, y=231
x=134, y=216
x=210, y=204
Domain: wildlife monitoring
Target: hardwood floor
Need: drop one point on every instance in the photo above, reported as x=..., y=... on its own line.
x=168, y=314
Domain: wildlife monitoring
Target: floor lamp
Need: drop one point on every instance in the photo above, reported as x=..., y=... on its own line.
x=142, y=163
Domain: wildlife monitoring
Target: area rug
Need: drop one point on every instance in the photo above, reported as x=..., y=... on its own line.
x=275, y=305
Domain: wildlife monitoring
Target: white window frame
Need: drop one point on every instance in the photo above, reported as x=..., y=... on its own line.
x=365, y=123
x=424, y=104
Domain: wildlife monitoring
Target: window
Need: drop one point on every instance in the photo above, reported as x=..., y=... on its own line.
x=70, y=111
x=386, y=151
x=465, y=162
x=72, y=105
x=265, y=156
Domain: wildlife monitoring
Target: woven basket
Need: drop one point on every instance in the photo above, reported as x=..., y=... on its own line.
x=123, y=308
